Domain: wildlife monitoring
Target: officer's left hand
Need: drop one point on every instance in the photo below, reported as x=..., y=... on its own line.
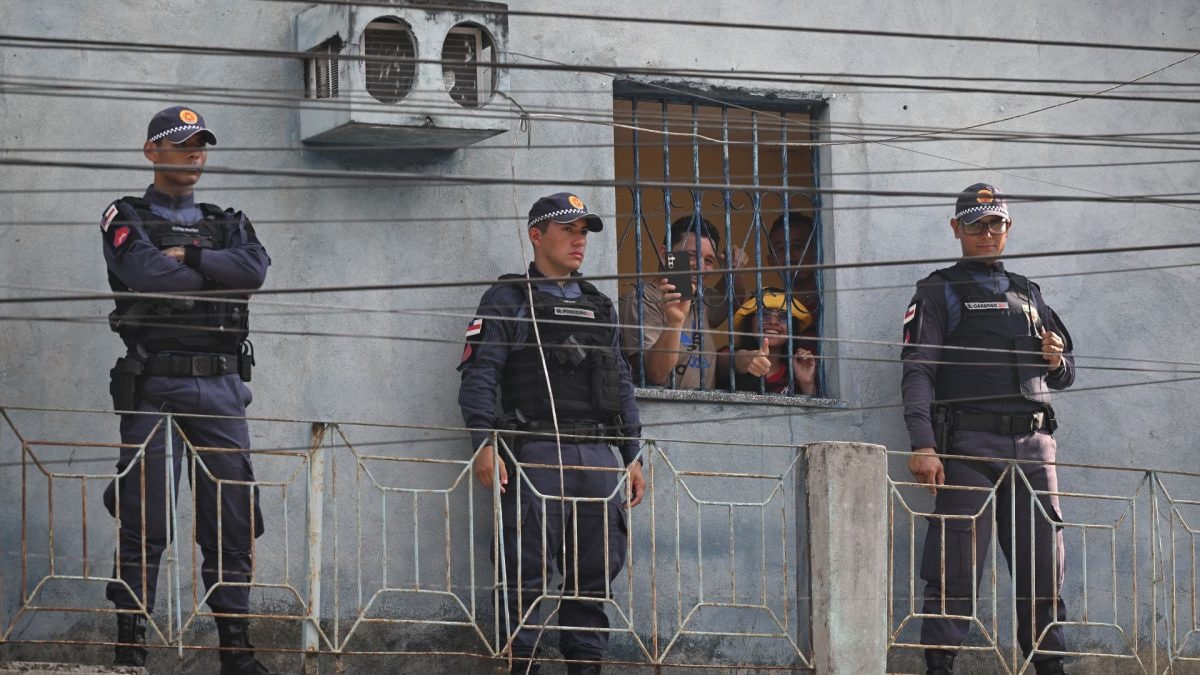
x=175, y=253
x=1052, y=349
x=637, y=485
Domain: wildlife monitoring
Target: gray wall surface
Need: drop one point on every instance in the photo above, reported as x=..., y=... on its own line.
x=391, y=360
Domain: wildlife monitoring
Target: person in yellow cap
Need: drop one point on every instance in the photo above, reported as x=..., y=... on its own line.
x=762, y=349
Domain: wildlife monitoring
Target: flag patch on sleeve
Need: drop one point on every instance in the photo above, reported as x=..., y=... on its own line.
x=475, y=327
x=108, y=217
x=912, y=322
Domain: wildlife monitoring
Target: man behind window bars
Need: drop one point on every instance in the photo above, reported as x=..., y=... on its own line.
x=566, y=335
x=184, y=356
x=993, y=404
x=674, y=344
x=792, y=242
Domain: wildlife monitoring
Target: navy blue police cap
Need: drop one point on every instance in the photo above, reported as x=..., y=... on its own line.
x=563, y=207
x=177, y=124
x=979, y=200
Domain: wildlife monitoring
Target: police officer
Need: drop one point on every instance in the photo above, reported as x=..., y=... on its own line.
x=982, y=350
x=555, y=327
x=185, y=356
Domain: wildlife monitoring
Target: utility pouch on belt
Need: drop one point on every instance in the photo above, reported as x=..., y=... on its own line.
x=606, y=391
x=245, y=360
x=123, y=384
x=1031, y=368
x=943, y=427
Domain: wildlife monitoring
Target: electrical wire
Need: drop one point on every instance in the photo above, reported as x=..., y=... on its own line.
x=766, y=27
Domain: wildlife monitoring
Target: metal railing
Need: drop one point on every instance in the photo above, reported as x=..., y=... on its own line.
x=366, y=531
x=1130, y=557
x=369, y=529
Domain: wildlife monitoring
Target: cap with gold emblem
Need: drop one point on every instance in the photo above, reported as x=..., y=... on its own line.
x=563, y=207
x=177, y=124
x=980, y=200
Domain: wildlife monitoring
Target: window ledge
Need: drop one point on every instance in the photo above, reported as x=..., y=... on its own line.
x=740, y=397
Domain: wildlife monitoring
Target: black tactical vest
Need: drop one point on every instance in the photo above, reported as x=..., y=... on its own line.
x=1009, y=380
x=577, y=338
x=167, y=325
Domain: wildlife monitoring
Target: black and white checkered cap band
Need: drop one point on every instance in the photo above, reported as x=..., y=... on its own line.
x=553, y=215
x=194, y=128
x=994, y=208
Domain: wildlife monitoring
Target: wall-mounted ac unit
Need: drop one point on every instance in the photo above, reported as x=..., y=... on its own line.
x=407, y=77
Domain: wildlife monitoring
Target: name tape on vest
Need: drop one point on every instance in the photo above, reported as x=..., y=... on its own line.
x=574, y=311
x=986, y=305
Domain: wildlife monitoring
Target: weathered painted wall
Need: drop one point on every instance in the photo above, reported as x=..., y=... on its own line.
x=335, y=232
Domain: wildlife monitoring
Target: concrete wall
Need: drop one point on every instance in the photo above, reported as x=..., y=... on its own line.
x=323, y=232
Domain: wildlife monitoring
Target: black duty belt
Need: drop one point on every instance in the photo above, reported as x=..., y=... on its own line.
x=1003, y=424
x=203, y=365
x=576, y=430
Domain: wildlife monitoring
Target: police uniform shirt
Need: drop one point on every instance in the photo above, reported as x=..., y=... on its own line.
x=694, y=359
x=935, y=311
x=501, y=325
x=140, y=265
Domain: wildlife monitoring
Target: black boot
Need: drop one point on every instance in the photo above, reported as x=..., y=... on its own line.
x=939, y=662
x=1049, y=667
x=131, y=638
x=237, y=654
x=583, y=669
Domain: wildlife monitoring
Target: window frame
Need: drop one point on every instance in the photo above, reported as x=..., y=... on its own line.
x=657, y=97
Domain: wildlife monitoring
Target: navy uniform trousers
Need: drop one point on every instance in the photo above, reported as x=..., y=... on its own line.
x=583, y=565
x=1045, y=537
x=217, y=395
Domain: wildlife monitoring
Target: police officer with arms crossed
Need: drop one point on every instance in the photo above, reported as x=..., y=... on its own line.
x=183, y=356
x=992, y=404
x=580, y=354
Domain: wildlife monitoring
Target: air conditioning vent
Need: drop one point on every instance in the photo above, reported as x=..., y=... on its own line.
x=469, y=65
x=322, y=72
x=390, y=79
x=413, y=81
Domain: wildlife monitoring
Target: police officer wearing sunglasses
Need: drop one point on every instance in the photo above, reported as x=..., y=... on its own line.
x=982, y=350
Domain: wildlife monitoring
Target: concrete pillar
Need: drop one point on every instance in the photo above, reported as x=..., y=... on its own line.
x=847, y=539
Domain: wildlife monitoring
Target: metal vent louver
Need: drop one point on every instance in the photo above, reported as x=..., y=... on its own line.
x=323, y=72
x=390, y=78
x=469, y=65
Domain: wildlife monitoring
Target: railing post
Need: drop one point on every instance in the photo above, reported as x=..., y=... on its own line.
x=311, y=640
x=847, y=524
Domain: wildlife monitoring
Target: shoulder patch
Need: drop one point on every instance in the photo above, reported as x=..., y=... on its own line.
x=119, y=236
x=475, y=327
x=109, y=214
x=912, y=322
x=474, y=337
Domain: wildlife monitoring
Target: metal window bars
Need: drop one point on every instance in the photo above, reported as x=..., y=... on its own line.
x=750, y=165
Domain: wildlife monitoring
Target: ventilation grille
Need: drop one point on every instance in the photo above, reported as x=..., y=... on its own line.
x=322, y=71
x=469, y=65
x=390, y=77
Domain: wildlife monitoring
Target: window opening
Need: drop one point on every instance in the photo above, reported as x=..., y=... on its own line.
x=755, y=190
